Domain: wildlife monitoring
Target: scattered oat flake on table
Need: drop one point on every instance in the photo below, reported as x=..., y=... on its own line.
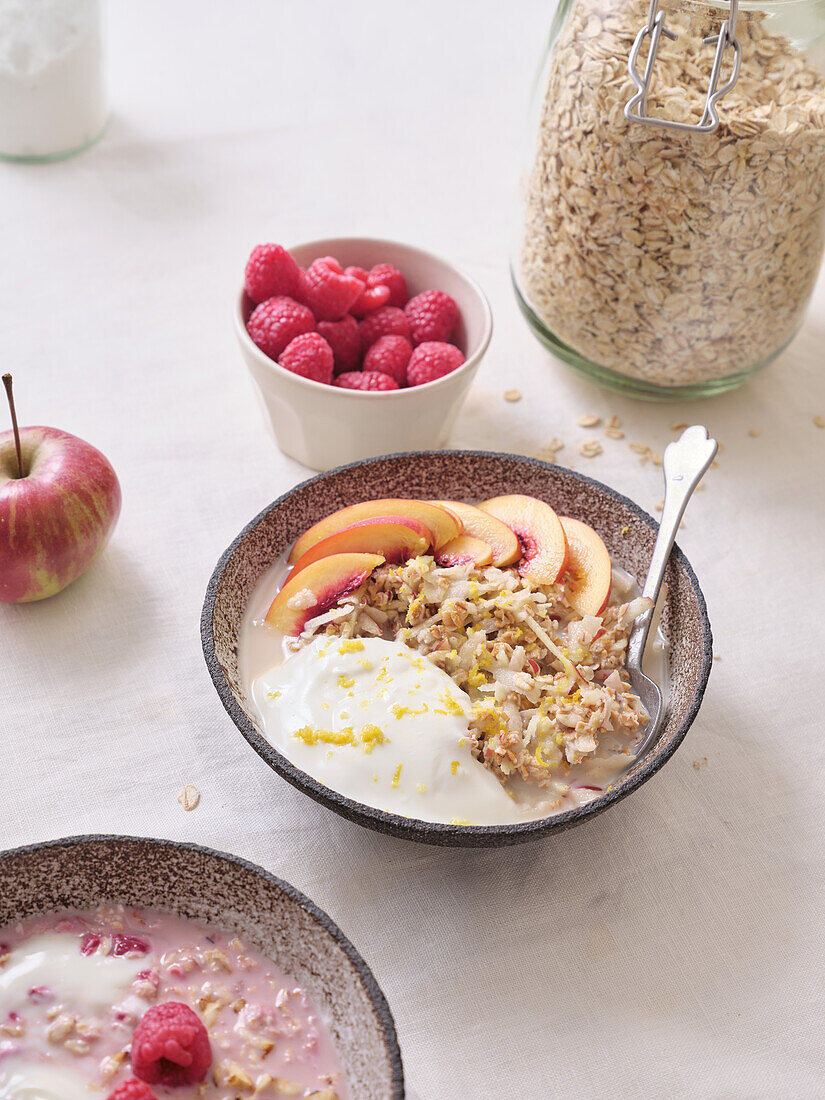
x=660, y=505
x=614, y=433
x=639, y=448
x=512, y=395
x=717, y=657
x=819, y=421
x=680, y=427
x=589, y=420
x=754, y=433
x=655, y=457
x=189, y=797
x=590, y=448
x=698, y=764
x=555, y=444
x=613, y=422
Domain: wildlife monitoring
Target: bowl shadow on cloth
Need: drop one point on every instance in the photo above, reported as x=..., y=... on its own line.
x=665, y=896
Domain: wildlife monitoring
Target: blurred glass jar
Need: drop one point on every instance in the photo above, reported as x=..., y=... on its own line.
x=666, y=251
x=52, y=99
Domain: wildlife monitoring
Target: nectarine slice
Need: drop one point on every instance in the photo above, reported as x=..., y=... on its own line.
x=443, y=524
x=539, y=531
x=395, y=538
x=465, y=550
x=317, y=588
x=481, y=525
x=589, y=568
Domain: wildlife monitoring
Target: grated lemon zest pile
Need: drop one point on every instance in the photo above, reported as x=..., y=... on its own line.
x=369, y=737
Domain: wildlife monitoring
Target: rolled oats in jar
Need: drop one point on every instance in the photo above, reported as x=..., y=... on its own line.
x=678, y=258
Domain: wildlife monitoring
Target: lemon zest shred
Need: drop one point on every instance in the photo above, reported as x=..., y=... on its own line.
x=398, y=711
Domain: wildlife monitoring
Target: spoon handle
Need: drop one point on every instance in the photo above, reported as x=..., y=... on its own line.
x=685, y=461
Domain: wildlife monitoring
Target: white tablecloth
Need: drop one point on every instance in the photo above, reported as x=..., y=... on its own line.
x=673, y=947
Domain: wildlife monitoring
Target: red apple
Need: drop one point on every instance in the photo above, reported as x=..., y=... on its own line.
x=57, y=517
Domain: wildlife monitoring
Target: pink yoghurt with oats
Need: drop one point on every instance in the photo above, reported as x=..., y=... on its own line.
x=76, y=987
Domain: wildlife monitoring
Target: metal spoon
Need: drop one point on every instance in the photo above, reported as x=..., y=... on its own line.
x=685, y=461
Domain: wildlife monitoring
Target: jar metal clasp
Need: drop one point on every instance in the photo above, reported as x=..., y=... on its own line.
x=636, y=108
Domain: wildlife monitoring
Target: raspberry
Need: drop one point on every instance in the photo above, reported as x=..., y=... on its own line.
x=432, y=316
x=327, y=290
x=276, y=322
x=170, y=1046
x=387, y=321
x=310, y=356
x=89, y=943
x=389, y=276
x=345, y=340
x=432, y=359
x=370, y=300
x=132, y=1090
x=357, y=273
x=270, y=272
x=358, y=380
x=389, y=355
x=128, y=945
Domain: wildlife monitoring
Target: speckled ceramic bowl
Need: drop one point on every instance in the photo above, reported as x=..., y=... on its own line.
x=458, y=475
x=226, y=891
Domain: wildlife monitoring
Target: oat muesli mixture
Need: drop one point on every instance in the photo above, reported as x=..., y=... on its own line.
x=547, y=685
x=675, y=258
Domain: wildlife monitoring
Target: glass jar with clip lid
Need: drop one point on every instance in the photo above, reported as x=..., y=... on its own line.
x=673, y=217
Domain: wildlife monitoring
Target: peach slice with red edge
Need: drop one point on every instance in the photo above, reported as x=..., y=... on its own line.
x=465, y=550
x=589, y=568
x=319, y=586
x=397, y=539
x=442, y=523
x=505, y=546
x=539, y=531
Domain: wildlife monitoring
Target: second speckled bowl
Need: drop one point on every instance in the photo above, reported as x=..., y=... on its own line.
x=628, y=532
x=211, y=887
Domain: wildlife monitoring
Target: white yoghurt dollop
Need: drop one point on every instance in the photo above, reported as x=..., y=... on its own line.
x=43, y=1082
x=382, y=725
x=87, y=984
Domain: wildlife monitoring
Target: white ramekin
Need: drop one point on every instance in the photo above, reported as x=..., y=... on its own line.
x=324, y=426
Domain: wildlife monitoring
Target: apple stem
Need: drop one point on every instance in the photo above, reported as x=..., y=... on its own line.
x=7, y=383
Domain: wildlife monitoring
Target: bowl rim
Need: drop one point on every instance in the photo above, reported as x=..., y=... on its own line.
x=435, y=832
x=470, y=362
x=374, y=992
